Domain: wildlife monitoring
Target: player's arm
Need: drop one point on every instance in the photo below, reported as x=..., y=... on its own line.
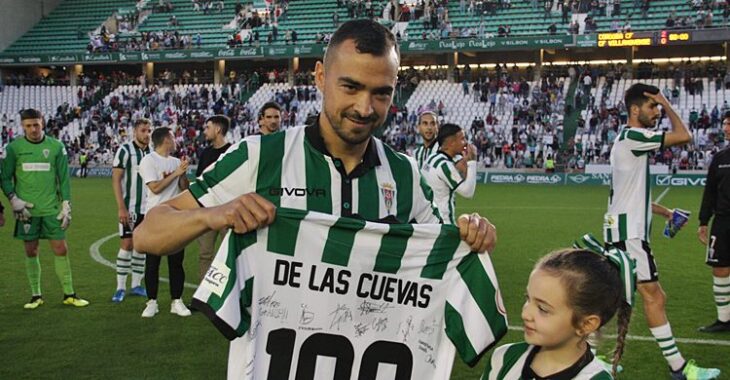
x=121, y=160
x=117, y=177
x=7, y=174
x=680, y=134
x=709, y=197
x=660, y=210
x=469, y=184
x=170, y=226
x=64, y=180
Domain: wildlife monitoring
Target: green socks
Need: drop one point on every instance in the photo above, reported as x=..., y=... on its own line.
x=33, y=270
x=63, y=271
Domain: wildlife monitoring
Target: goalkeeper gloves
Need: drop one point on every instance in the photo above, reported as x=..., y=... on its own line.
x=65, y=215
x=676, y=222
x=20, y=208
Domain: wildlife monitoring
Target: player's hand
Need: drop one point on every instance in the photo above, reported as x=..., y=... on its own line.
x=20, y=208
x=65, y=215
x=658, y=98
x=461, y=167
x=470, y=152
x=243, y=214
x=478, y=232
x=183, y=168
x=702, y=234
x=123, y=214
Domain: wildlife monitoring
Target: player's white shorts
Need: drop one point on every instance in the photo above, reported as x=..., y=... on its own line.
x=639, y=250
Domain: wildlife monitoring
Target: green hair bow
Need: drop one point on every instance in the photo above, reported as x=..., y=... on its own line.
x=621, y=260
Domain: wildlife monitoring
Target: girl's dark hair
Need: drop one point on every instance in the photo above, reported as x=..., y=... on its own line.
x=594, y=287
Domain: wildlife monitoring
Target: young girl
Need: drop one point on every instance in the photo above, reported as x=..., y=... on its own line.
x=571, y=293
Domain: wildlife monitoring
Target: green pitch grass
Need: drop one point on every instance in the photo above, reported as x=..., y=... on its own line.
x=111, y=341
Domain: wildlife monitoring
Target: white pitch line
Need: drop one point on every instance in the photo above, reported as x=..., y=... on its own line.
x=96, y=255
x=711, y=342
x=661, y=196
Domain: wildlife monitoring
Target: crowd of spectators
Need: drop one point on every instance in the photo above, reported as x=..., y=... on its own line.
x=597, y=131
x=520, y=126
x=103, y=122
x=145, y=41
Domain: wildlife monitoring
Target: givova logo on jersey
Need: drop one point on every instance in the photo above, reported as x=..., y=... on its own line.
x=217, y=277
x=297, y=192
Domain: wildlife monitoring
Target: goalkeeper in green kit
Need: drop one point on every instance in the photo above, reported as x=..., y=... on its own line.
x=35, y=179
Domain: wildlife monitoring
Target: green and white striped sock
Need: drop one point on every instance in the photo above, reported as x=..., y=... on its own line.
x=138, y=260
x=124, y=258
x=665, y=340
x=721, y=290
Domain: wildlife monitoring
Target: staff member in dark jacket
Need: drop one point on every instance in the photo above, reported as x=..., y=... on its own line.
x=216, y=128
x=716, y=202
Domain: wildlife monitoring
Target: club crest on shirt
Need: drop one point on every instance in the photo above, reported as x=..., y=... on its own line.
x=46, y=153
x=388, y=191
x=609, y=220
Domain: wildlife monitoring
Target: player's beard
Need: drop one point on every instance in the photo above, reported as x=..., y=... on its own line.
x=647, y=122
x=347, y=136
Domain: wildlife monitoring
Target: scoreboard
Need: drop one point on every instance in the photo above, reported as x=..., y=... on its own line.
x=657, y=38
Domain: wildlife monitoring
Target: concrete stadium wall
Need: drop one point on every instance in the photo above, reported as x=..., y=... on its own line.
x=17, y=17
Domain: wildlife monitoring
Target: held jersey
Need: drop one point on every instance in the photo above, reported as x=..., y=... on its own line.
x=421, y=154
x=508, y=361
x=37, y=173
x=314, y=296
x=629, y=202
x=441, y=174
x=128, y=158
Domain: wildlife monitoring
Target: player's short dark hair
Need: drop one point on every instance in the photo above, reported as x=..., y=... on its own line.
x=142, y=121
x=30, y=113
x=447, y=130
x=435, y=117
x=266, y=106
x=370, y=37
x=635, y=94
x=159, y=135
x=220, y=120
x=726, y=115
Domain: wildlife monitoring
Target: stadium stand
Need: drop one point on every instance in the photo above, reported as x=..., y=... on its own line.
x=65, y=28
x=699, y=101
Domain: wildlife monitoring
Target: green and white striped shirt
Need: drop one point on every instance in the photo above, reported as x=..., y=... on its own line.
x=293, y=169
x=443, y=177
x=361, y=293
x=629, y=203
x=512, y=362
x=422, y=153
x=128, y=157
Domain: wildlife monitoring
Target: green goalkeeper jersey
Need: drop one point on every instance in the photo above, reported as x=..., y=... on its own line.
x=37, y=173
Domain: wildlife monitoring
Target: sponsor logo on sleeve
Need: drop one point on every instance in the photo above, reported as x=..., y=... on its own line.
x=217, y=277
